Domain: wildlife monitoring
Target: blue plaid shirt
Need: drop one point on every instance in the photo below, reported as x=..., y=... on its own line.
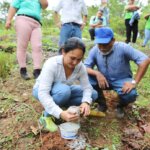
x=115, y=65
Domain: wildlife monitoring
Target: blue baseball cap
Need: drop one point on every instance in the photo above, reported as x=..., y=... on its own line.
x=103, y=35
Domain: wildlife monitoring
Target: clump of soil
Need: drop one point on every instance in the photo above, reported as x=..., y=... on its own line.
x=53, y=141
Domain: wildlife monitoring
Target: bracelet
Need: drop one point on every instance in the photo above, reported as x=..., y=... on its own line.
x=87, y=103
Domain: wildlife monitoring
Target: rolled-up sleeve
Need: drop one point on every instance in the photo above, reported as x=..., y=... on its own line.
x=90, y=61
x=45, y=85
x=135, y=55
x=84, y=9
x=59, y=6
x=16, y=4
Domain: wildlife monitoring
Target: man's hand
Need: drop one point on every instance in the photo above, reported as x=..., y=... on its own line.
x=82, y=26
x=8, y=24
x=58, y=25
x=102, y=82
x=127, y=87
x=85, y=109
x=67, y=116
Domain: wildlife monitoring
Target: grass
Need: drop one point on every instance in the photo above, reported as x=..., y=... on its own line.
x=6, y=63
x=108, y=130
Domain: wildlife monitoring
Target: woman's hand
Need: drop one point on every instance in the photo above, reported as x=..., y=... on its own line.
x=8, y=24
x=85, y=109
x=68, y=116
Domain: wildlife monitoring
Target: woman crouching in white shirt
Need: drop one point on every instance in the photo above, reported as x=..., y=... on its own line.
x=56, y=88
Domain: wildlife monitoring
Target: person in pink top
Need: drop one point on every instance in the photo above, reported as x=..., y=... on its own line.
x=28, y=28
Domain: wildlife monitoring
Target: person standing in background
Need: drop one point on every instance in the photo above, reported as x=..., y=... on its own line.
x=55, y=86
x=28, y=28
x=130, y=9
x=105, y=9
x=147, y=30
x=71, y=23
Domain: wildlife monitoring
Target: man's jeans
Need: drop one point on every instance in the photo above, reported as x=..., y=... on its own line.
x=66, y=95
x=69, y=30
x=92, y=33
x=147, y=36
x=125, y=99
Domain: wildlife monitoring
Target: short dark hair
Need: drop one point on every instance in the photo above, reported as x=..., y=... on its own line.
x=73, y=43
x=101, y=10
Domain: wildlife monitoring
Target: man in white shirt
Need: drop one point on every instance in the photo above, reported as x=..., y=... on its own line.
x=71, y=22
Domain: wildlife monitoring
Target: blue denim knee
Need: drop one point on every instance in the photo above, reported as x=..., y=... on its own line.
x=130, y=97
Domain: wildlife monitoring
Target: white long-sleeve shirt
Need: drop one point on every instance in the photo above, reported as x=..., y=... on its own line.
x=52, y=72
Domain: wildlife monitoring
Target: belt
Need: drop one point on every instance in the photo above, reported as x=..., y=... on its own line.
x=73, y=23
x=30, y=17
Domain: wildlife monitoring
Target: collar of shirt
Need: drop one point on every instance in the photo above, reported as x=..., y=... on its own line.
x=105, y=54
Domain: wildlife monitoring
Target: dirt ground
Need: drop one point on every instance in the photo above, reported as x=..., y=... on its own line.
x=20, y=130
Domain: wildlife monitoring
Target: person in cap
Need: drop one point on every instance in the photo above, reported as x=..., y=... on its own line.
x=112, y=60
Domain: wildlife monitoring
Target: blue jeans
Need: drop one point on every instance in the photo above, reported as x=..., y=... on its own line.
x=65, y=95
x=147, y=36
x=125, y=99
x=69, y=30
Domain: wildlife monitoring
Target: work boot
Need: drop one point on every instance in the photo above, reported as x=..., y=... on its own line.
x=36, y=73
x=102, y=107
x=24, y=74
x=120, y=112
x=48, y=123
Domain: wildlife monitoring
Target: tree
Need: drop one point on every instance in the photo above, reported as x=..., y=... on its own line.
x=4, y=6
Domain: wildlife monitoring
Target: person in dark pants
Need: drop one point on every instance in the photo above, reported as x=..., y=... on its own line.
x=96, y=22
x=130, y=29
x=130, y=8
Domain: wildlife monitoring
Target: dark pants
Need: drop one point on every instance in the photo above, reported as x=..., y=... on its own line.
x=92, y=33
x=125, y=99
x=130, y=29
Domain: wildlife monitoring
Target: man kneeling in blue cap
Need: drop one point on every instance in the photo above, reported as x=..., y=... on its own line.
x=112, y=60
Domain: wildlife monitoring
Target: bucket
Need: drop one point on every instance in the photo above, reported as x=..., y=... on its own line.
x=69, y=130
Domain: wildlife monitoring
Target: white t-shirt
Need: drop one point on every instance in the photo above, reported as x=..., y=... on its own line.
x=71, y=10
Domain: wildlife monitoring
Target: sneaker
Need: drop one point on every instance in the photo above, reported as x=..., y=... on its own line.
x=24, y=74
x=36, y=73
x=48, y=123
x=120, y=112
x=102, y=108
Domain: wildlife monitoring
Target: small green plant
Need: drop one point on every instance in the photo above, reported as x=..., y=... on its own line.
x=5, y=64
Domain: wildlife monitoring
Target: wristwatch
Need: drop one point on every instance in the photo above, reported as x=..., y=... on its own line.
x=133, y=82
